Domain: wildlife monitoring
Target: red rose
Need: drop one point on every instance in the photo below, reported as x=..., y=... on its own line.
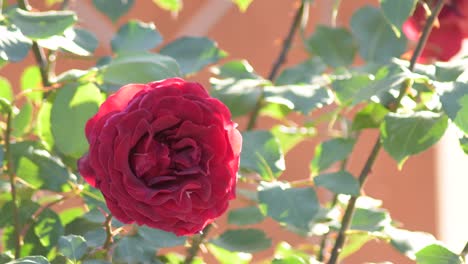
x=446, y=38
x=163, y=154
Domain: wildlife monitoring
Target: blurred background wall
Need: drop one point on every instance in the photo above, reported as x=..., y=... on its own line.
x=431, y=194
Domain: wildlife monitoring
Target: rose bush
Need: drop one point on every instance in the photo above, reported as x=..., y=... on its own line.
x=164, y=154
x=446, y=38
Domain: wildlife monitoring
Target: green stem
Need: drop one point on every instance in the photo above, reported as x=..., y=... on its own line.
x=11, y=175
x=346, y=221
x=38, y=52
x=197, y=240
x=277, y=64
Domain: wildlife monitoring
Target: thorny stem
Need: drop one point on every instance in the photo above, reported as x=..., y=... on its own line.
x=196, y=242
x=346, y=221
x=278, y=63
x=11, y=175
x=109, y=234
x=38, y=51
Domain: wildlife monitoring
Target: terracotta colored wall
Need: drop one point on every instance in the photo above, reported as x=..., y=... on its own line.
x=256, y=36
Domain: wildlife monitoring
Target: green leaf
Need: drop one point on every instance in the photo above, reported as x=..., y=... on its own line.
x=262, y=154
x=436, y=254
x=329, y=152
x=133, y=249
x=339, y=182
x=41, y=25
x=74, y=40
x=136, y=36
x=303, y=73
x=95, y=238
x=139, y=68
x=454, y=98
x=379, y=87
x=6, y=257
x=371, y=116
x=22, y=120
x=43, y=126
x=227, y=257
x=39, y=169
x=171, y=5
x=376, y=39
x=245, y=216
x=237, y=86
x=31, y=80
x=113, y=9
x=242, y=4
x=347, y=89
x=284, y=251
x=48, y=228
x=74, y=104
x=80, y=226
x=335, y=46
x=295, y=207
x=397, y=12
x=14, y=46
x=160, y=239
x=5, y=89
x=72, y=246
x=408, y=242
x=289, y=137
x=404, y=135
x=193, y=53
x=370, y=220
x=30, y=260
x=354, y=242
x=243, y=240
x=300, y=98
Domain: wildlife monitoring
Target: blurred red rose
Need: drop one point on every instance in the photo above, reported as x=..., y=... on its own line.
x=164, y=154
x=446, y=38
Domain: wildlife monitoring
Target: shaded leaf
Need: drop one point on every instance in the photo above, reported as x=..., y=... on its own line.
x=404, y=135
x=72, y=246
x=408, y=242
x=193, y=53
x=370, y=219
x=289, y=137
x=262, y=154
x=14, y=46
x=347, y=89
x=339, y=182
x=243, y=240
x=454, y=98
x=295, y=207
x=113, y=9
x=5, y=89
x=74, y=40
x=376, y=39
x=30, y=260
x=48, y=228
x=303, y=73
x=335, y=46
x=133, y=249
x=245, y=216
x=139, y=68
x=300, y=98
x=397, y=12
x=159, y=238
x=329, y=152
x=41, y=25
x=136, y=36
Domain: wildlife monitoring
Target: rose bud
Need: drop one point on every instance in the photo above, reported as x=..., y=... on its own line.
x=164, y=154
